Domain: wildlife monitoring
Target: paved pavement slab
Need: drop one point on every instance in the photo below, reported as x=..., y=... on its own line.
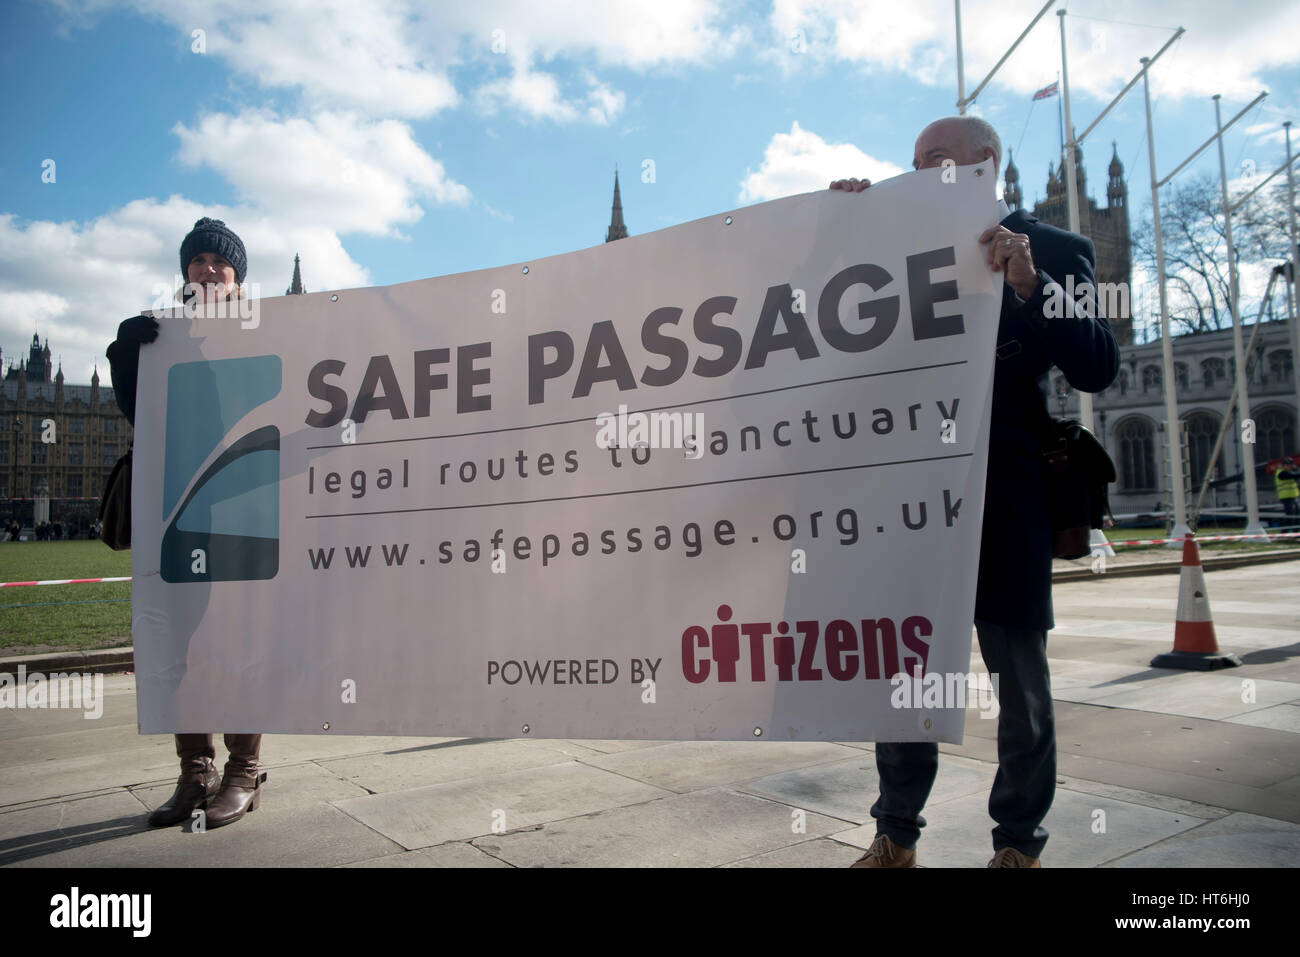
x=42, y=828
x=823, y=852
x=1238, y=840
x=1280, y=717
x=690, y=765
x=454, y=854
x=87, y=772
x=451, y=760
x=421, y=817
x=1217, y=695
x=847, y=789
x=319, y=836
x=703, y=829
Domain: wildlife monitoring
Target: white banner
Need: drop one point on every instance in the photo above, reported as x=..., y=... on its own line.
x=394, y=510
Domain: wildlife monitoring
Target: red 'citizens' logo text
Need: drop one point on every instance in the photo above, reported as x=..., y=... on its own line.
x=839, y=650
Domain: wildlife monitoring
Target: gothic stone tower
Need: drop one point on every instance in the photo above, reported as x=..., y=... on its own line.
x=1107, y=227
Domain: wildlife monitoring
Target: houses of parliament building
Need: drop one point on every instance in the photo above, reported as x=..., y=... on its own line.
x=58, y=441
x=1129, y=416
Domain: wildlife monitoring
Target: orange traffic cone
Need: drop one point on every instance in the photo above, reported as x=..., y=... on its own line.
x=1195, y=647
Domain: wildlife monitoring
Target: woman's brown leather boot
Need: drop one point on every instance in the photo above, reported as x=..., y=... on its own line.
x=241, y=784
x=198, y=782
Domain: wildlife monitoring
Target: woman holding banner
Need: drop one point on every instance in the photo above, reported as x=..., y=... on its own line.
x=214, y=264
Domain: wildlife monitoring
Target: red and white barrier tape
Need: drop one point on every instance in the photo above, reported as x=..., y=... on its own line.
x=1209, y=538
x=63, y=581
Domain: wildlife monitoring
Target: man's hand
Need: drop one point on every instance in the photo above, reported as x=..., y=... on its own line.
x=851, y=185
x=1009, y=252
x=138, y=329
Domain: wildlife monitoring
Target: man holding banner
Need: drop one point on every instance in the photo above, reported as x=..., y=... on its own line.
x=1013, y=608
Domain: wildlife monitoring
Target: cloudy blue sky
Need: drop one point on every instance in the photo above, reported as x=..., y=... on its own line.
x=389, y=141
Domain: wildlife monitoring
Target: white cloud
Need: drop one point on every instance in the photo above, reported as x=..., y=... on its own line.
x=1219, y=53
x=336, y=52
x=625, y=33
x=74, y=282
x=537, y=95
x=603, y=103
x=801, y=161
x=333, y=171
x=394, y=57
x=533, y=93
x=1272, y=132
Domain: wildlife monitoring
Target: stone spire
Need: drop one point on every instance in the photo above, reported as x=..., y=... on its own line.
x=1011, y=192
x=295, y=286
x=616, y=228
x=1116, y=191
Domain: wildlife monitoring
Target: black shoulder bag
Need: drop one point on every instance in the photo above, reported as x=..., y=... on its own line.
x=115, y=507
x=1078, y=473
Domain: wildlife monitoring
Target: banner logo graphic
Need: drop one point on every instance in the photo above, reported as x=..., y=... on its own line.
x=221, y=474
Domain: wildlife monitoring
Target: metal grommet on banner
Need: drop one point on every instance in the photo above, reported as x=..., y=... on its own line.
x=525, y=270
x=758, y=732
x=525, y=729
x=334, y=298
x=727, y=221
x=927, y=724
x=325, y=726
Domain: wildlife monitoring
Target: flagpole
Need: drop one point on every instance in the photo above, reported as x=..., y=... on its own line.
x=1177, y=508
x=1060, y=127
x=1246, y=448
x=961, y=70
x=1292, y=257
x=1097, y=538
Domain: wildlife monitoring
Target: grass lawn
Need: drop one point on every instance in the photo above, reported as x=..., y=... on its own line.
x=45, y=618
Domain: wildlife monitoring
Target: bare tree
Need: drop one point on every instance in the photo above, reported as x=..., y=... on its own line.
x=1196, y=261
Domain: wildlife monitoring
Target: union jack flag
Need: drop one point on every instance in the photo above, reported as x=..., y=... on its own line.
x=1047, y=91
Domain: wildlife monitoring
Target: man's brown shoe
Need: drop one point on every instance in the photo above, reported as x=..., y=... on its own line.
x=1010, y=857
x=885, y=853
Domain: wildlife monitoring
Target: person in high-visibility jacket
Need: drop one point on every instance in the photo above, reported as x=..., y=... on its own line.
x=1288, y=492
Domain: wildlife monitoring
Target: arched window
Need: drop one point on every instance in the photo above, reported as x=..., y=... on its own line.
x=1279, y=365
x=1137, y=454
x=1202, y=430
x=1274, y=433
x=1151, y=379
x=1182, y=380
x=1214, y=371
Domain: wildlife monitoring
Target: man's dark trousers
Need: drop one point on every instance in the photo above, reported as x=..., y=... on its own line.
x=1026, y=779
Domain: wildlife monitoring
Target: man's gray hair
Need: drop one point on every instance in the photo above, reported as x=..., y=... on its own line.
x=979, y=134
